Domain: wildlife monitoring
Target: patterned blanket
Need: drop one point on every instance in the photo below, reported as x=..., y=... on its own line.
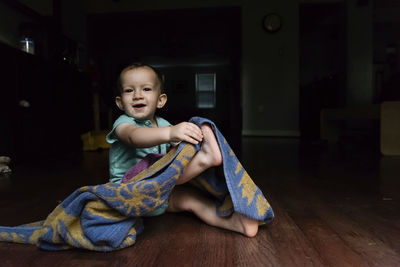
x=107, y=217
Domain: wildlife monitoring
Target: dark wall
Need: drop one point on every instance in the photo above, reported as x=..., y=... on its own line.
x=322, y=63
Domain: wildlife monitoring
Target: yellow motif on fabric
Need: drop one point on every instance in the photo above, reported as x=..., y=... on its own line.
x=75, y=233
x=186, y=155
x=262, y=205
x=74, y=227
x=136, y=202
x=71, y=222
x=177, y=169
x=102, y=210
x=248, y=189
x=13, y=237
x=238, y=167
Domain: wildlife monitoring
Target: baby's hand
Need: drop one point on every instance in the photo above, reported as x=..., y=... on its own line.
x=186, y=131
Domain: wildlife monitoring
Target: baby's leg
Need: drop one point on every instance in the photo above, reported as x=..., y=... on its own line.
x=188, y=198
x=208, y=156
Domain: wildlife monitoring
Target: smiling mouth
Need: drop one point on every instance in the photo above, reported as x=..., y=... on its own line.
x=139, y=106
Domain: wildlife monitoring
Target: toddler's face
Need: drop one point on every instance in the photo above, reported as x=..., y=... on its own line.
x=141, y=93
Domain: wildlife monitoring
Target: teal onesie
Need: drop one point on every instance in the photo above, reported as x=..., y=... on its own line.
x=122, y=156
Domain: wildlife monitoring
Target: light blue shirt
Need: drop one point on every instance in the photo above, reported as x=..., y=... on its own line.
x=123, y=156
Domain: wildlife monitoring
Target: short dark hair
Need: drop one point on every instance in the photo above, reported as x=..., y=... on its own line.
x=137, y=65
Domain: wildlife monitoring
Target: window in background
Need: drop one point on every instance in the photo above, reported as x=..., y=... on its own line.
x=205, y=90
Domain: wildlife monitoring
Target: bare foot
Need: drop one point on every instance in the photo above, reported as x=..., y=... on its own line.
x=209, y=152
x=246, y=226
x=208, y=156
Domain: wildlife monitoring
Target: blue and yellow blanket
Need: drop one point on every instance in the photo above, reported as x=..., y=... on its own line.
x=107, y=217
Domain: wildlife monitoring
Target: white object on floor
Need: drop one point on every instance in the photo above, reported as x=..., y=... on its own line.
x=4, y=161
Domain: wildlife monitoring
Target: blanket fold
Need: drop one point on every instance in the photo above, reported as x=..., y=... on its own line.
x=107, y=217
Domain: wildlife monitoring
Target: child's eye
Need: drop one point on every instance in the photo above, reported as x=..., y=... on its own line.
x=147, y=89
x=128, y=90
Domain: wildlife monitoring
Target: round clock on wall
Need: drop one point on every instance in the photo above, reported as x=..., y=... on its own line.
x=272, y=22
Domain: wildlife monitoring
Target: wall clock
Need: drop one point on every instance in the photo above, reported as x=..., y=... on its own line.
x=272, y=22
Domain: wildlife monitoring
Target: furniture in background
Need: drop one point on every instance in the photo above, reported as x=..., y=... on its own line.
x=44, y=106
x=390, y=128
x=388, y=114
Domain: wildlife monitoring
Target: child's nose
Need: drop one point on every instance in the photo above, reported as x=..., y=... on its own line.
x=137, y=94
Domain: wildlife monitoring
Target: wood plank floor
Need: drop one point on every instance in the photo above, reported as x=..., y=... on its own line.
x=334, y=207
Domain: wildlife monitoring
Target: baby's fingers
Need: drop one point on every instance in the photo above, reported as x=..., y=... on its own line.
x=191, y=140
x=195, y=128
x=194, y=132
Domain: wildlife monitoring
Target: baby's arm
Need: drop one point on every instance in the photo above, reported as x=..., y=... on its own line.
x=147, y=137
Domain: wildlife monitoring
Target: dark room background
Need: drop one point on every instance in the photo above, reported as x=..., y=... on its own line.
x=326, y=54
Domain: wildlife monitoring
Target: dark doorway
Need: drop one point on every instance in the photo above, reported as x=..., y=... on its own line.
x=180, y=43
x=322, y=63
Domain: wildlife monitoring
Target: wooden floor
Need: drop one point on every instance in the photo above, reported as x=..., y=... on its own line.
x=334, y=207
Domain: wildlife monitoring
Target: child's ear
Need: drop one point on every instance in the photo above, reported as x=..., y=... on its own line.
x=162, y=99
x=118, y=101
